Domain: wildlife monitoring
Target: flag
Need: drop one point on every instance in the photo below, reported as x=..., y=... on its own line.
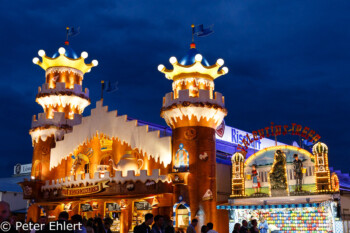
x=200, y=31
x=109, y=87
x=73, y=31
x=307, y=143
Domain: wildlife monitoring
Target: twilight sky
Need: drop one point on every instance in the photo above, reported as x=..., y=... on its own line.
x=288, y=61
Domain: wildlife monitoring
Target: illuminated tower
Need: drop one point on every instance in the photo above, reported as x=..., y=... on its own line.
x=322, y=173
x=193, y=112
x=63, y=101
x=238, y=183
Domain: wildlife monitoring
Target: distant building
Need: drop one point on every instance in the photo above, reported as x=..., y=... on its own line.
x=11, y=191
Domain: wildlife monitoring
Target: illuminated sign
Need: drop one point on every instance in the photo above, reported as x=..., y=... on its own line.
x=276, y=130
x=80, y=191
x=236, y=136
x=22, y=169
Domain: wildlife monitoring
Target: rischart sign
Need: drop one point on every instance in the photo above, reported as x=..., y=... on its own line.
x=236, y=136
x=276, y=130
x=80, y=191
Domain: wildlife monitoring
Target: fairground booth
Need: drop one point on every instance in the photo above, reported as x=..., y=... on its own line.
x=291, y=188
x=111, y=165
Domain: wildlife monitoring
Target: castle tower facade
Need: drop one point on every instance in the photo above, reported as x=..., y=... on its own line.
x=63, y=101
x=194, y=111
x=322, y=173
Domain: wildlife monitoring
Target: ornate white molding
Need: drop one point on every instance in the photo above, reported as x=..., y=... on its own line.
x=61, y=87
x=175, y=114
x=206, y=82
x=63, y=100
x=118, y=127
x=63, y=69
x=184, y=96
x=43, y=134
x=58, y=120
x=118, y=178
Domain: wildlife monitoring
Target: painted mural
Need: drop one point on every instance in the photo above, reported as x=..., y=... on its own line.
x=277, y=172
x=182, y=159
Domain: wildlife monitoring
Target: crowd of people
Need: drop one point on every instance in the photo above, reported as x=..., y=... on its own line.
x=157, y=224
x=152, y=224
x=82, y=225
x=253, y=227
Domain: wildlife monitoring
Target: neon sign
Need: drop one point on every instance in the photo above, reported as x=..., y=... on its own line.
x=276, y=130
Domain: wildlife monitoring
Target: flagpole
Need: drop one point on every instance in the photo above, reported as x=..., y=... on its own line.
x=102, y=87
x=67, y=28
x=192, y=33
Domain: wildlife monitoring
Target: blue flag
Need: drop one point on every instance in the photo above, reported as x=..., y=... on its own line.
x=307, y=143
x=110, y=87
x=200, y=31
x=73, y=31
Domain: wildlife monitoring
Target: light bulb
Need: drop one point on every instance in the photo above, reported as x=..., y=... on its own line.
x=95, y=62
x=161, y=67
x=225, y=69
x=84, y=54
x=220, y=61
x=41, y=53
x=173, y=60
x=61, y=50
x=198, y=57
x=35, y=60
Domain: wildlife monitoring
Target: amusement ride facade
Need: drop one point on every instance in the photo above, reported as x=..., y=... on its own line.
x=110, y=165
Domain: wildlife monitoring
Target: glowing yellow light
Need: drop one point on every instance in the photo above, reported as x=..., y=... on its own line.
x=64, y=61
x=178, y=71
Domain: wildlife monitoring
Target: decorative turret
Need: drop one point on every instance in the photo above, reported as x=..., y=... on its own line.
x=323, y=176
x=63, y=101
x=193, y=111
x=192, y=100
x=238, y=184
x=62, y=91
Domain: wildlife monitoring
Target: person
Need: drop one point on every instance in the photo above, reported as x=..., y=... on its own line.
x=77, y=220
x=5, y=216
x=254, y=228
x=90, y=226
x=107, y=224
x=298, y=172
x=236, y=228
x=210, y=228
x=63, y=221
x=204, y=229
x=158, y=224
x=99, y=228
x=244, y=228
x=169, y=226
x=273, y=229
x=263, y=226
x=256, y=179
x=192, y=227
x=144, y=227
x=43, y=220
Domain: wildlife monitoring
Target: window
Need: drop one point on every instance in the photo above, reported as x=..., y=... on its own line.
x=182, y=216
x=86, y=168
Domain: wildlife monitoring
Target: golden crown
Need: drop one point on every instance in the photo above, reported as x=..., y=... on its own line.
x=179, y=71
x=63, y=60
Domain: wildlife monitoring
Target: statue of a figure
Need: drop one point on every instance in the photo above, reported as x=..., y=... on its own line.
x=278, y=179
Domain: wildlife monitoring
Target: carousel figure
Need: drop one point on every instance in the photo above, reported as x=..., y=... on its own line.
x=256, y=179
x=298, y=173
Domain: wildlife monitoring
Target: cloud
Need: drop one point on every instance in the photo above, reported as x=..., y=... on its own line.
x=288, y=60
